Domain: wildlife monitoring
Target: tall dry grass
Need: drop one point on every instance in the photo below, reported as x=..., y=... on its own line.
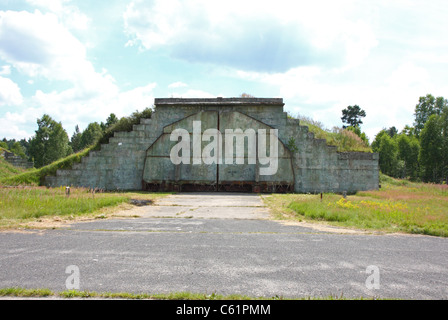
x=35, y=202
x=411, y=208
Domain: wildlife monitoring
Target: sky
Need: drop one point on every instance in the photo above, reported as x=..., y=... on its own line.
x=79, y=61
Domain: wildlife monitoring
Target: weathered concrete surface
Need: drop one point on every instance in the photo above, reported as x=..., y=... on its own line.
x=16, y=161
x=207, y=205
x=138, y=159
x=160, y=172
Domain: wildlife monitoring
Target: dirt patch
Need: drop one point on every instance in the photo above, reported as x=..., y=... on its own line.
x=325, y=228
x=140, y=203
x=125, y=210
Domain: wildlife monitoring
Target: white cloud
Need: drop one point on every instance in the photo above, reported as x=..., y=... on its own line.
x=178, y=84
x=39, y=45
x=82, y=110
x=11, y=131
x=70, y=110
x=322, y=93
x=5, y=70
x=402, y=57
x=408, y=75
x=10, y=94
x=193, y=93
x=54, y=5
x=252, y=35
x=70, y=15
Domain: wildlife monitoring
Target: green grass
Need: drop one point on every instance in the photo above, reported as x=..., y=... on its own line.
x=25, y=203
x=19, y=205
x=344, y=140
x=21, y=292
x=8, y=170
x=399, y=206
x=35, y=293
x=35, y=177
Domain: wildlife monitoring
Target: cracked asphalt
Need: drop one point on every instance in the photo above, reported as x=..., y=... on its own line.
x=224, y=244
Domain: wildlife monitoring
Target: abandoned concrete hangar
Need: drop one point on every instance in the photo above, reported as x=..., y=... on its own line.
x=191, y=145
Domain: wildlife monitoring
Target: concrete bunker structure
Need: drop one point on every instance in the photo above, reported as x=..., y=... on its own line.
x=142, y=159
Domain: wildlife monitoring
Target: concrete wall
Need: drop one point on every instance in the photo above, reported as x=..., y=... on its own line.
x=17, y=161
x=316, y=167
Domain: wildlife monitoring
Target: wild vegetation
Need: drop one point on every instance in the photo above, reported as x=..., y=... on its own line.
x=51, y=142
x=7, y=170
x=35, y=177
x=399, y=206
x=20, y=206
x=34, y=293
x=418, y=152
x=50, y=148
x=345, y=139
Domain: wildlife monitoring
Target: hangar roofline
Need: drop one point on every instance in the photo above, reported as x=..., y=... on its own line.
x=219, y=101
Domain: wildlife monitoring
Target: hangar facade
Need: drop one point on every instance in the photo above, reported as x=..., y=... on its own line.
x=221, y=144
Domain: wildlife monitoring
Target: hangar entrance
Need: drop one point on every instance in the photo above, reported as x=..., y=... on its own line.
x=218, y=151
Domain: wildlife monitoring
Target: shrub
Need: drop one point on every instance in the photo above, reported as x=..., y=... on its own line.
x=125, y=124
x=346, y=140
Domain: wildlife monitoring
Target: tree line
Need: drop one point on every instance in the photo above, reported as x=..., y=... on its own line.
x=419, y=152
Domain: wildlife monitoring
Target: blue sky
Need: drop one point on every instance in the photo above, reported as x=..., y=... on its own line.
x=80, y=60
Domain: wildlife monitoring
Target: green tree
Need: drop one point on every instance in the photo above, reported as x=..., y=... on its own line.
x=125, y=124
x=377, y=140
x=111, y=120
x=388, y=153
x=408, y=151
x=408, y=130
x=444, y=127
x=18, y=150
x=75, y=141
x=50, y=142
x=392, y=131
x=91, y=135
x=352, y=116
x=426, y=107
x=431, y=149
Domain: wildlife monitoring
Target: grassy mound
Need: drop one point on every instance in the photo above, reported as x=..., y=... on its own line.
x=36, y=177
x=125, y=124
x=7, y=169
x=345, y=140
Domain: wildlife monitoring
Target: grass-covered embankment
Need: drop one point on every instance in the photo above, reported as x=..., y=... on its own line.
x=399, y=206
x=345, y=140
x=7, y=169
x=35, y=177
